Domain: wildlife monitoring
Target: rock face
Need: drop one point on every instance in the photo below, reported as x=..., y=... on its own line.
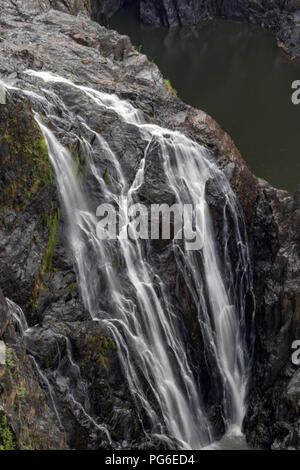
x=273, y=418
x=104, y=9
x=27, y=198
x=26, y=419
x=26, y=9
x=37, y=273
x=171, y=13
x=281, y=17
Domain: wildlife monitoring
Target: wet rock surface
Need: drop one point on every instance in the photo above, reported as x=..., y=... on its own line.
x=273, y=416
x=38, y=274
x=28, y=201
x=27, y=420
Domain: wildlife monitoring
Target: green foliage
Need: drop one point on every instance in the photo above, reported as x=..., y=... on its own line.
x=6, y=437
x=170, y=88
x=118, y=260
x=97, y=350
x=71, y=287
x=9, y=359
x=46, y=265
x=106, y=176
x=31, y=439
x=81, y=160
x=52, y=224
x=85, y=164
x=106, y=345
x=25, y=157
x=26, y=447
x=21, y=392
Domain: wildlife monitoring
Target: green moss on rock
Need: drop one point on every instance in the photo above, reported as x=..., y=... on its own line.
x=170, y=88
x=6, y=436
x=23, y=156
x=53, y=227
x=97, y=349
x=52, y=222
x=106, y=176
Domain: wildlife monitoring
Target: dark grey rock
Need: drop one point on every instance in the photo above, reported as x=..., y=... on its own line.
x=104, y=9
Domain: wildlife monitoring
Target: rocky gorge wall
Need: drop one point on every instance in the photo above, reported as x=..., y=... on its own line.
x=280, y=16
x=273, y=417
x=189, y=12
x=37, y=273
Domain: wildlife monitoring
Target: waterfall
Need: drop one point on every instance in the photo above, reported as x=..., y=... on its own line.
x=119, y=282
x=66, y=377
x=24, y=331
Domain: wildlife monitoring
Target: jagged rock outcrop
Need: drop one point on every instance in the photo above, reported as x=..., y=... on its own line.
x=37, y=271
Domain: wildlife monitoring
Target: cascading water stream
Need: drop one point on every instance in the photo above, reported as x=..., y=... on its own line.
x=24, y=330
x=65, y=372
x=142, y=319
x=144, y=330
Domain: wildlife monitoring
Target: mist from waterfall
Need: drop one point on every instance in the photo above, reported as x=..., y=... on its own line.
x=120, y=286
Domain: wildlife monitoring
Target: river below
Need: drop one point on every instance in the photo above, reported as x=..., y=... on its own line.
x=237, y=74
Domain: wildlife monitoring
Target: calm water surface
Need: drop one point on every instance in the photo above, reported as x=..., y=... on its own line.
x=236, y=73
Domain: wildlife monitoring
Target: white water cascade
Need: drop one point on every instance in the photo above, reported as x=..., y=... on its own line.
x=137, y=307
x=67, y=371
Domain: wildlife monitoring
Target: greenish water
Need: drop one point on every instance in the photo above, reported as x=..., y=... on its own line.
x=230, y=442
x=237, y=74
